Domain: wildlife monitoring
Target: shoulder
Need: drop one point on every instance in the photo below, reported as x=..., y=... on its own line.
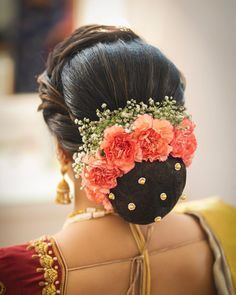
x=206, y=205
x=209, y=212
x=218, y=219
x=23, y=267
x=180, y=254
x=15, y=265
x=176, y=230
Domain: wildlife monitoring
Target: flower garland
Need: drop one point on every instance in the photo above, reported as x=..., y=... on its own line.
x=138, y=132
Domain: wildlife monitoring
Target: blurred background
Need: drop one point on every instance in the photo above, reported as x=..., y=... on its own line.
x=198, y=36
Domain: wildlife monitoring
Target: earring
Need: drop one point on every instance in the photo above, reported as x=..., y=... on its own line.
x=63, y=189
x=183, y=197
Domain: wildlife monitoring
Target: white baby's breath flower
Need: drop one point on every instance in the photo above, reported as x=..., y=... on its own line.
x=92, y=132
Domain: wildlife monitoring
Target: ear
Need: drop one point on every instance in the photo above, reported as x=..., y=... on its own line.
x=62, y=156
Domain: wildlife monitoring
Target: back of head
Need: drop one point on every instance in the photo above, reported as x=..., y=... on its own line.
x=106, y=64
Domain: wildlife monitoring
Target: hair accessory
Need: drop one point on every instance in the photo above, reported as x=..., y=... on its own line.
x=131, y=206
x=138, y=132
x=157, y=219
x=111, y=196
x=183, y=197
x=63, y=189
x=177, y=166
x=142, y=180
x=163, y=196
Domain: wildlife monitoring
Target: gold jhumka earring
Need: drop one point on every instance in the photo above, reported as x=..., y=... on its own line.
x=63, y=189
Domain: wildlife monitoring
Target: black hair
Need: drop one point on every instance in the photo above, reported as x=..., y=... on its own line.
x=107, y=64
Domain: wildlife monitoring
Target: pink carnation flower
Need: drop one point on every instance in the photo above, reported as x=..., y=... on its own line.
x=143, y=122
x=107, y=204
x=119, y=147
x=98, y=197
x=151, y=146
x=184, y=143
x=187, y=125
x=97, y=179
x=164, y=128
x=153, y=137
x=100, y=175
x=95, y=195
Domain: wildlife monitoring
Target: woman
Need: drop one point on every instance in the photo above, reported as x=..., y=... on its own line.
x=126, y=155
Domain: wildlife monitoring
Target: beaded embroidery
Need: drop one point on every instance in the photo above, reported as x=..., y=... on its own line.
x=49, y=265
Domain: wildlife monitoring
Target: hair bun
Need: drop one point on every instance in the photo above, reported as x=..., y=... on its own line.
x=150, y=190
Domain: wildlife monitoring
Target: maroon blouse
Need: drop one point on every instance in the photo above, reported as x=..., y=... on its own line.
x=35, y=268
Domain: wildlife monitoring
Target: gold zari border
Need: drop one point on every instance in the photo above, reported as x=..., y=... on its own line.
x=49, y=265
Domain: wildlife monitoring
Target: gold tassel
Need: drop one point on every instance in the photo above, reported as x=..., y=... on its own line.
x=63, y=189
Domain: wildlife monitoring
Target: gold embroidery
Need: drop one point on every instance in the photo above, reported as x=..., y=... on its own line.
x=2, y=288
x=49, y=265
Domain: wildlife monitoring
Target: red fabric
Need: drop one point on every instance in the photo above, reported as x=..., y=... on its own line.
x=18, y=271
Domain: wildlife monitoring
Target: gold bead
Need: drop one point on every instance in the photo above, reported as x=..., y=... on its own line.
x=157, y=219
x=183, y=197
x=177, y=166
x=131, y=206
x=142, y=180
x=2, y=289
x=163, y=196
x=111, y=196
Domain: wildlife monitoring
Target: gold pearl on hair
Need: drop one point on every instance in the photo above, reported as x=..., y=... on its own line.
x=163, y=196
x=111, y=196
x=157, y=219
x=183, y=197
x=177, y=166
x=141, y=180
x=131, y=206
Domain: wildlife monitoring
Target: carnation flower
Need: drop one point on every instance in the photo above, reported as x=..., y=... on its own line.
x=97, y=194
x=153, y=137
x=107, y=204
x=187, y=125
x=119, y=147
x=184, y=143
x=152, y=146
x=99, y=174
x=143, y=122
x=164, y=128
x=138, y=132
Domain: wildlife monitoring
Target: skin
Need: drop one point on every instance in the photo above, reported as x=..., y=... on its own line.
x=180, y=257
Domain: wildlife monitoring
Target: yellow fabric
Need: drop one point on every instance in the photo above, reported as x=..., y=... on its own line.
x=221, y=219
x=141, y=243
